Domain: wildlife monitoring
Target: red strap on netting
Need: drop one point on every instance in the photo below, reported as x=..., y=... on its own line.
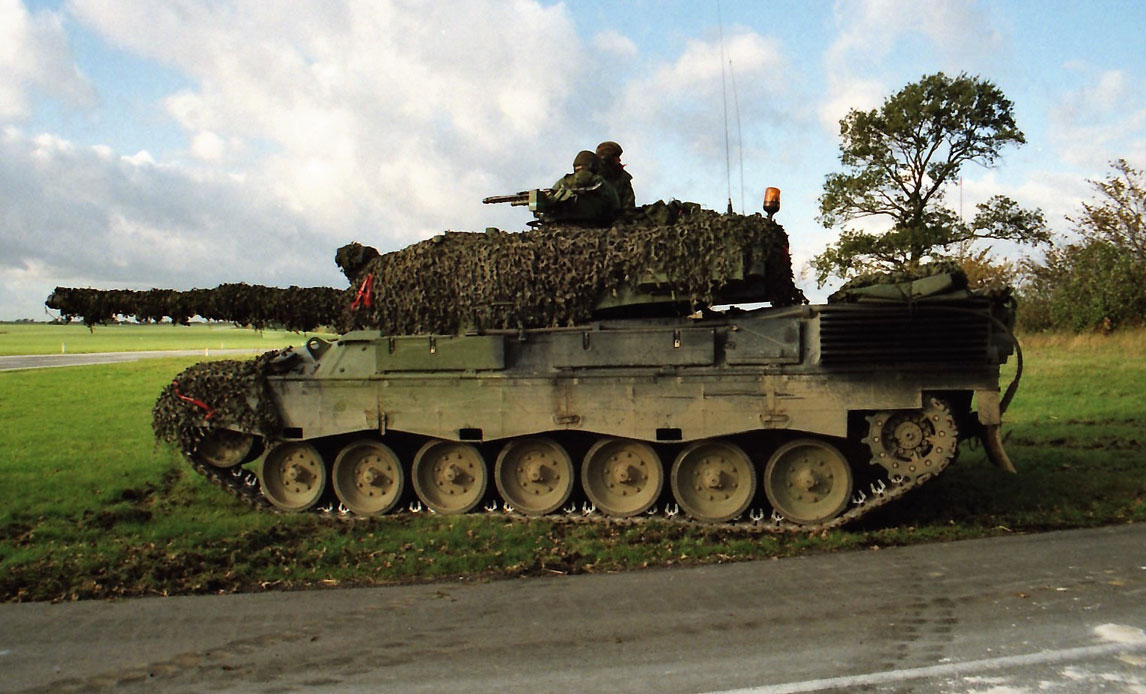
x=364, y=293
x=198, y=403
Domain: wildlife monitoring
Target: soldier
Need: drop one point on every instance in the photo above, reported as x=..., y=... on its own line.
x=584, y=195
x=614, y=172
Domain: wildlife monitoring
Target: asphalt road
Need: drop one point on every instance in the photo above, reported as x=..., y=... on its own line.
x=1056, y=612
x=41, y=361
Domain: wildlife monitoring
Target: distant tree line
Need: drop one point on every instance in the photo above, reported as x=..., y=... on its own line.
x=1096, y=281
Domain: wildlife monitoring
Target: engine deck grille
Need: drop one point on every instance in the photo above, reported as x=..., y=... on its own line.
x=898, y=334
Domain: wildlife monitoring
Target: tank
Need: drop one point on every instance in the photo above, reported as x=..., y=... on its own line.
x=643, y=395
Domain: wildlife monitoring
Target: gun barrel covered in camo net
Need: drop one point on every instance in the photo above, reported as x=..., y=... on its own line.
x=550, y=276
x=295, y=308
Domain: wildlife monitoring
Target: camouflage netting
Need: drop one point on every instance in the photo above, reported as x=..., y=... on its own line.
x=550, y=276
x=902, y=276
x=216, y=392
x=943, y=280
x=554, y=275
x=296, y=308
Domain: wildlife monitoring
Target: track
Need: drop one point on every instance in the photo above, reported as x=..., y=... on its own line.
x=244, y=485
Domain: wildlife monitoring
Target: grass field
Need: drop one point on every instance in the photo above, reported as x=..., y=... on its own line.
x=93, y=508
x=74, y=338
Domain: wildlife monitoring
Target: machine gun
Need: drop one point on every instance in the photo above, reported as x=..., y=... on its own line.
x=541, y=200
x=515, y=199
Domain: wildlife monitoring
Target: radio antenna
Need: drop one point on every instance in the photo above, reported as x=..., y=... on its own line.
x=724, y=105
x=739, y=132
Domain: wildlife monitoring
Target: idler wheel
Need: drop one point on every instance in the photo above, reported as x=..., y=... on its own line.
x=368, y=477
x=808, y=481
x=713, y=481
x=224, y=448
x=534, y=476
x=449, y=477
x=293, y=476
x=622, y=478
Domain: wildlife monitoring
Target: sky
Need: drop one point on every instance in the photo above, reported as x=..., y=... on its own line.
x=189, y=143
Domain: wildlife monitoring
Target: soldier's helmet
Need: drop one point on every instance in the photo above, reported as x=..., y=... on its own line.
x=609, y=150
x=585, y=160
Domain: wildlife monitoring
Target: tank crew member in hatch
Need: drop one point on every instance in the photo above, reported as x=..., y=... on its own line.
x=584, y=195
x=614, y=172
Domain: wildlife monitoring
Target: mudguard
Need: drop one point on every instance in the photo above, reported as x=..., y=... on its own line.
x=990, y=434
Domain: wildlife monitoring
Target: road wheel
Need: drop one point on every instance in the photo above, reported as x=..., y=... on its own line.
x=534, y=476
x=224, y=448
x=713, y=480
x=621, y=477
x=368, y=477
x=449, y=477
x=808, y=481
x=293, y=476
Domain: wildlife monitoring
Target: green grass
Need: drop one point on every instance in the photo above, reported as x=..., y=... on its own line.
x=94, y=508
x=74, y=338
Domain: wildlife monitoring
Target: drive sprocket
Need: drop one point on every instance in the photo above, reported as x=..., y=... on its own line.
x=913, y=444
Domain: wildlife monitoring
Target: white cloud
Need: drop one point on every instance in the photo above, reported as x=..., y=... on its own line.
x=140, y=158
x=954, y=34
x=1056, y=193
x=1111, y=90
x=375, y=115
x=188, y=109
x=872, y=28
x=1099, y=122
x=856, y=94
x=616, y=44
x=394, y=121
x=700, y=66
x=367, y=121
x=35, y=57
x=361, y=121
x=75, y=216
x=678, y=108
x=208, y=146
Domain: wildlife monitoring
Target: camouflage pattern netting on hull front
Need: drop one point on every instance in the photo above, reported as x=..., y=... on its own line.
x=226, y=390
x=551, y=276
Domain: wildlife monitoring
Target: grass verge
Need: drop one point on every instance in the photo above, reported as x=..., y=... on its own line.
x=93, y=508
